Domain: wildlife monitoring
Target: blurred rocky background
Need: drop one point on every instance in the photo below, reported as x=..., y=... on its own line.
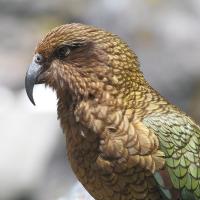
x=164, y=34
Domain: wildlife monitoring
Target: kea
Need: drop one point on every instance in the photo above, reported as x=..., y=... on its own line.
x=124, y=140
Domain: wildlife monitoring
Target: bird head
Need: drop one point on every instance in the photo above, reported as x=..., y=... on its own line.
x=81, y=60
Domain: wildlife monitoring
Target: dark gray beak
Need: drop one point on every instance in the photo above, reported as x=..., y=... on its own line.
x=32, y=75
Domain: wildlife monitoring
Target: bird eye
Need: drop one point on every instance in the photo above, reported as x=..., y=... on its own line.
x=62, y=52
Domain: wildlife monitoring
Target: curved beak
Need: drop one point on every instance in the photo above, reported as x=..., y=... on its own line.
x=31, y=79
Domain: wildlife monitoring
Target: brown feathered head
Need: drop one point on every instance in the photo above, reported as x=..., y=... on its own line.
x=80, y=60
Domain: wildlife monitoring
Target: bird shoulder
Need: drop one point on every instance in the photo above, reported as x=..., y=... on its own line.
x=123, y=142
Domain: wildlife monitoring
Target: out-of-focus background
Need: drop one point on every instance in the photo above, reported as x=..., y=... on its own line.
x=164, y=34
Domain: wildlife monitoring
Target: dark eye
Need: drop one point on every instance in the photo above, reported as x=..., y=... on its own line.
x=62, y=52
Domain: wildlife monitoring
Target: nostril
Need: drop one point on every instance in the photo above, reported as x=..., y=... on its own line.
x=39, y=58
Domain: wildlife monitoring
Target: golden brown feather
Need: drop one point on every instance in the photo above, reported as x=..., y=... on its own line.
x=102, y=101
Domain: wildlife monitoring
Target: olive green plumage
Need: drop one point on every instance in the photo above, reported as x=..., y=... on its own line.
x=180, y=141
x=124, y=140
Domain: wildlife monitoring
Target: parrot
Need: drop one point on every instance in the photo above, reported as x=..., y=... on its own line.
x=124, y=140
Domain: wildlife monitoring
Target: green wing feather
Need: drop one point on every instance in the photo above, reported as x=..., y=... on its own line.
x=179, y=138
